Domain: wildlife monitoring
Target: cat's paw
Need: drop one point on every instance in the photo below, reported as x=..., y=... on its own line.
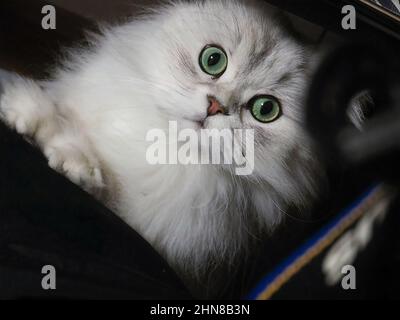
x=24, y=106
x=78, y=166
x=17, y=115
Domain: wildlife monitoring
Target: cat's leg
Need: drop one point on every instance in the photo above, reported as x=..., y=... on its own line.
x=25, y=107
x=71, y=155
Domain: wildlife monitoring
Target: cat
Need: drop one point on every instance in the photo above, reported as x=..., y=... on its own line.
x=216, y=64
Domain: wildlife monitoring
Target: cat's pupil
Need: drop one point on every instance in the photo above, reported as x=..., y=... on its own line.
x=214, y=59
x=266, y=108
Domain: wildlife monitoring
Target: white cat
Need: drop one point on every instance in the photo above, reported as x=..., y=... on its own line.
x=92, y=118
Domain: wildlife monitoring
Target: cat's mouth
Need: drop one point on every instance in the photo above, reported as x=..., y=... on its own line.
x=201, y=124
x=194, y=123
x=206, y=123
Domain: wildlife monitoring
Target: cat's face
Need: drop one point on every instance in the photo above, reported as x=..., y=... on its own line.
x=236, y=56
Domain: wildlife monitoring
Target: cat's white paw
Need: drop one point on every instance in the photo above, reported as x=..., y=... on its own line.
x=18, y=114
x=82, y=169
x=24, y=106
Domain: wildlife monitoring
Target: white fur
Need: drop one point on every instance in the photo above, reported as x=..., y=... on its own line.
x=94, y=116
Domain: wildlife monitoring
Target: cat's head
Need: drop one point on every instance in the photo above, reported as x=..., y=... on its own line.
x=234, y=65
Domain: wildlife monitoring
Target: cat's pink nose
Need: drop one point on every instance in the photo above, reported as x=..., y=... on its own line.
x=214, y=107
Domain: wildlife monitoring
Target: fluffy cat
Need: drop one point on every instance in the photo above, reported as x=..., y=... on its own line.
x=92, y=117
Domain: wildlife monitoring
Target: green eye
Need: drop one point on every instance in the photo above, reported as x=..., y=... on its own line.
x=213, y=61
x=265, y=108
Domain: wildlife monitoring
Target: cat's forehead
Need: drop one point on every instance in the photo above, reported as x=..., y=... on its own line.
x=260, y=50
x=225, y=22
x=248, y=33
x=275, y=65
